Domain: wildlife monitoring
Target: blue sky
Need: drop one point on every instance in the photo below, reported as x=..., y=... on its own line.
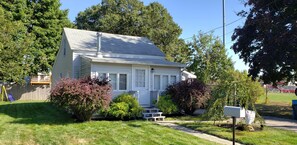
x=191, y=15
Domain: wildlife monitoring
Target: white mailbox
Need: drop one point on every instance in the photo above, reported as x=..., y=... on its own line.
x=234, y=111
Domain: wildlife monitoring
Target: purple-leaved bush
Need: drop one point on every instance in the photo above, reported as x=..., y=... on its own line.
x=82, y=97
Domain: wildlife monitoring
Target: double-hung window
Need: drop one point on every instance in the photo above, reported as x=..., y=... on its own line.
x=118, y=81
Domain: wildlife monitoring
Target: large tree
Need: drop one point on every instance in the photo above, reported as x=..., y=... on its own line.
x=45, y=21
x=15, y=47
x=268, y=40
x=132, y=17
x=209, y=59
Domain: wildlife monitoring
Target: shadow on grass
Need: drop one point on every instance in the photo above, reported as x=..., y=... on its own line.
x=35, y=113
x=274, y=110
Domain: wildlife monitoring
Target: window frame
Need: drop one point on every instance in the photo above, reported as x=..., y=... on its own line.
x=161, y=80
x=117, y=79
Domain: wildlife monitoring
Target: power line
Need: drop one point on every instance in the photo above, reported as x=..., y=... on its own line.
x=214, y=29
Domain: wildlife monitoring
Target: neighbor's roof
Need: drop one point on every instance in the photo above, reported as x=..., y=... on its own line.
x=84, y=40
x=143, y=61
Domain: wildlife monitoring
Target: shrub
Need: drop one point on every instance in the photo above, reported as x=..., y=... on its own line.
x=189, y=95
x=125, y=106
x=166, y=105
x=82, y=97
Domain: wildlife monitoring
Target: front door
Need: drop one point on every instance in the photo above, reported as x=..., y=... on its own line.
x=140, y=84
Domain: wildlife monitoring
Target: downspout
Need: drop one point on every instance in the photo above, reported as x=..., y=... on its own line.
x=99, y=35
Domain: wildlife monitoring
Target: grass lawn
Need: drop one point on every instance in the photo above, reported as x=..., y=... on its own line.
x=279, y=105
x=41, y=123
x=268, y=136
x=185, y=118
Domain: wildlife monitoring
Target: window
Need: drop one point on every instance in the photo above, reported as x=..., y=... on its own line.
x=164, y=82
x=113, y=81
x=140, y=78
x=123, y=82
x=172, y=80
x=102, y=76
x=157, y=82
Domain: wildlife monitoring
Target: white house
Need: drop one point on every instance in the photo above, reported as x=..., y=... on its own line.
x=133, y=64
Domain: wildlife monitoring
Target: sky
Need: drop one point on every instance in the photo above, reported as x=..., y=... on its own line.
x=191, y=15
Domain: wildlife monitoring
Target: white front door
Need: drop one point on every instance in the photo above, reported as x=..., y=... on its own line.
x=140, y=83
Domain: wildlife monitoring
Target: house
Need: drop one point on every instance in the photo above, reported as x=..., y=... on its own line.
x=132, y=64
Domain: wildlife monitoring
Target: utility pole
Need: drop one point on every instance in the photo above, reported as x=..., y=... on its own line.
x=224, y=25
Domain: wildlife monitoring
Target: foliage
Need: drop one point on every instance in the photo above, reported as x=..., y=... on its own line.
x=132, y=17
x=44, y=20
x=82, y=97
x=125, y=106
x=189, y=95
x=209, y=60
x=247, y=92
x=267, y=41
x=166, y=105
x=15, y=47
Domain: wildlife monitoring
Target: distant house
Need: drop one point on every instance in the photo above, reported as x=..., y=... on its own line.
x=133, y=64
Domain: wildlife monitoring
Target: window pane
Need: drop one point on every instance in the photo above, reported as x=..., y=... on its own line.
x=164, y=82
x=123, y=81
x=140, y=78
x=172, y=79
x=113, y=81
x=156, y=82
x=102, y=76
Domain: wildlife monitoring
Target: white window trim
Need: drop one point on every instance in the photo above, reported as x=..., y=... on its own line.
x=161, y=80
x=118, y=79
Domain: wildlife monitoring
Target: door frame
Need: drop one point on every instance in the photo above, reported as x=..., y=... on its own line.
x=147, y=84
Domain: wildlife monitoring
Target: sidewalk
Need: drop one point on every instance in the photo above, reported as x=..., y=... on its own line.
x=197, y=133
x=287, y=124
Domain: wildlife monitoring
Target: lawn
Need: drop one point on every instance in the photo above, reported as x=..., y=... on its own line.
x=267, y=136
x=279, y=105
x=41, y=123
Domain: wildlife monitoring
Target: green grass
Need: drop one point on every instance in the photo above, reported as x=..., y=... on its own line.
x=279, y=105
x=278, y=98
x=41, y=123
x=184, y=118
x=267, y=136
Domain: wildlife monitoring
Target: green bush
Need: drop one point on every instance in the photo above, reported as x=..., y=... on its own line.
x=125, y=106
x=166, y=105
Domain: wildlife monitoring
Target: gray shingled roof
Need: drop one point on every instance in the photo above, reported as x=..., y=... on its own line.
x=144, y=61
x=111, y=43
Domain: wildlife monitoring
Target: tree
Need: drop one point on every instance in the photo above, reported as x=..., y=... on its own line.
x=247, y=92
x=15, y=47
x=131, y=17
x=209, y=59
x=45, y=21
x=267, y=41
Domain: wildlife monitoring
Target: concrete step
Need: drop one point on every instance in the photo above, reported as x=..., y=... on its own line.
x=155, y=114
x=150, y=110
x=157, y=118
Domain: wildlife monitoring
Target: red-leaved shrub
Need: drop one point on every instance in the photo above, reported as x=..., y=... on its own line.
x=189, y=95
x=82, y=97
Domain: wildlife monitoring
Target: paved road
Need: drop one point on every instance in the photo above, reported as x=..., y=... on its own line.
x=287, y=124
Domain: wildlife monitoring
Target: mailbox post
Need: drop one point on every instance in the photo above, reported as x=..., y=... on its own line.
x=234, y=112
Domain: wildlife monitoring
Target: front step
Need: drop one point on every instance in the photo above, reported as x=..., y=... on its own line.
x=153, y=114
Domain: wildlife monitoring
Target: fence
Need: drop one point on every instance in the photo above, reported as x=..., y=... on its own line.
x=29, y=92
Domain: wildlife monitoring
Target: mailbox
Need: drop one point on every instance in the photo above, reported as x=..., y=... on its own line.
x=234, y=111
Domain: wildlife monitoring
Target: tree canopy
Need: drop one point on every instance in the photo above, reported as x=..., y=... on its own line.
x=268, y=40
x=209, y=58
x=15, y=47
x=45, y=21
x=132, y=17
